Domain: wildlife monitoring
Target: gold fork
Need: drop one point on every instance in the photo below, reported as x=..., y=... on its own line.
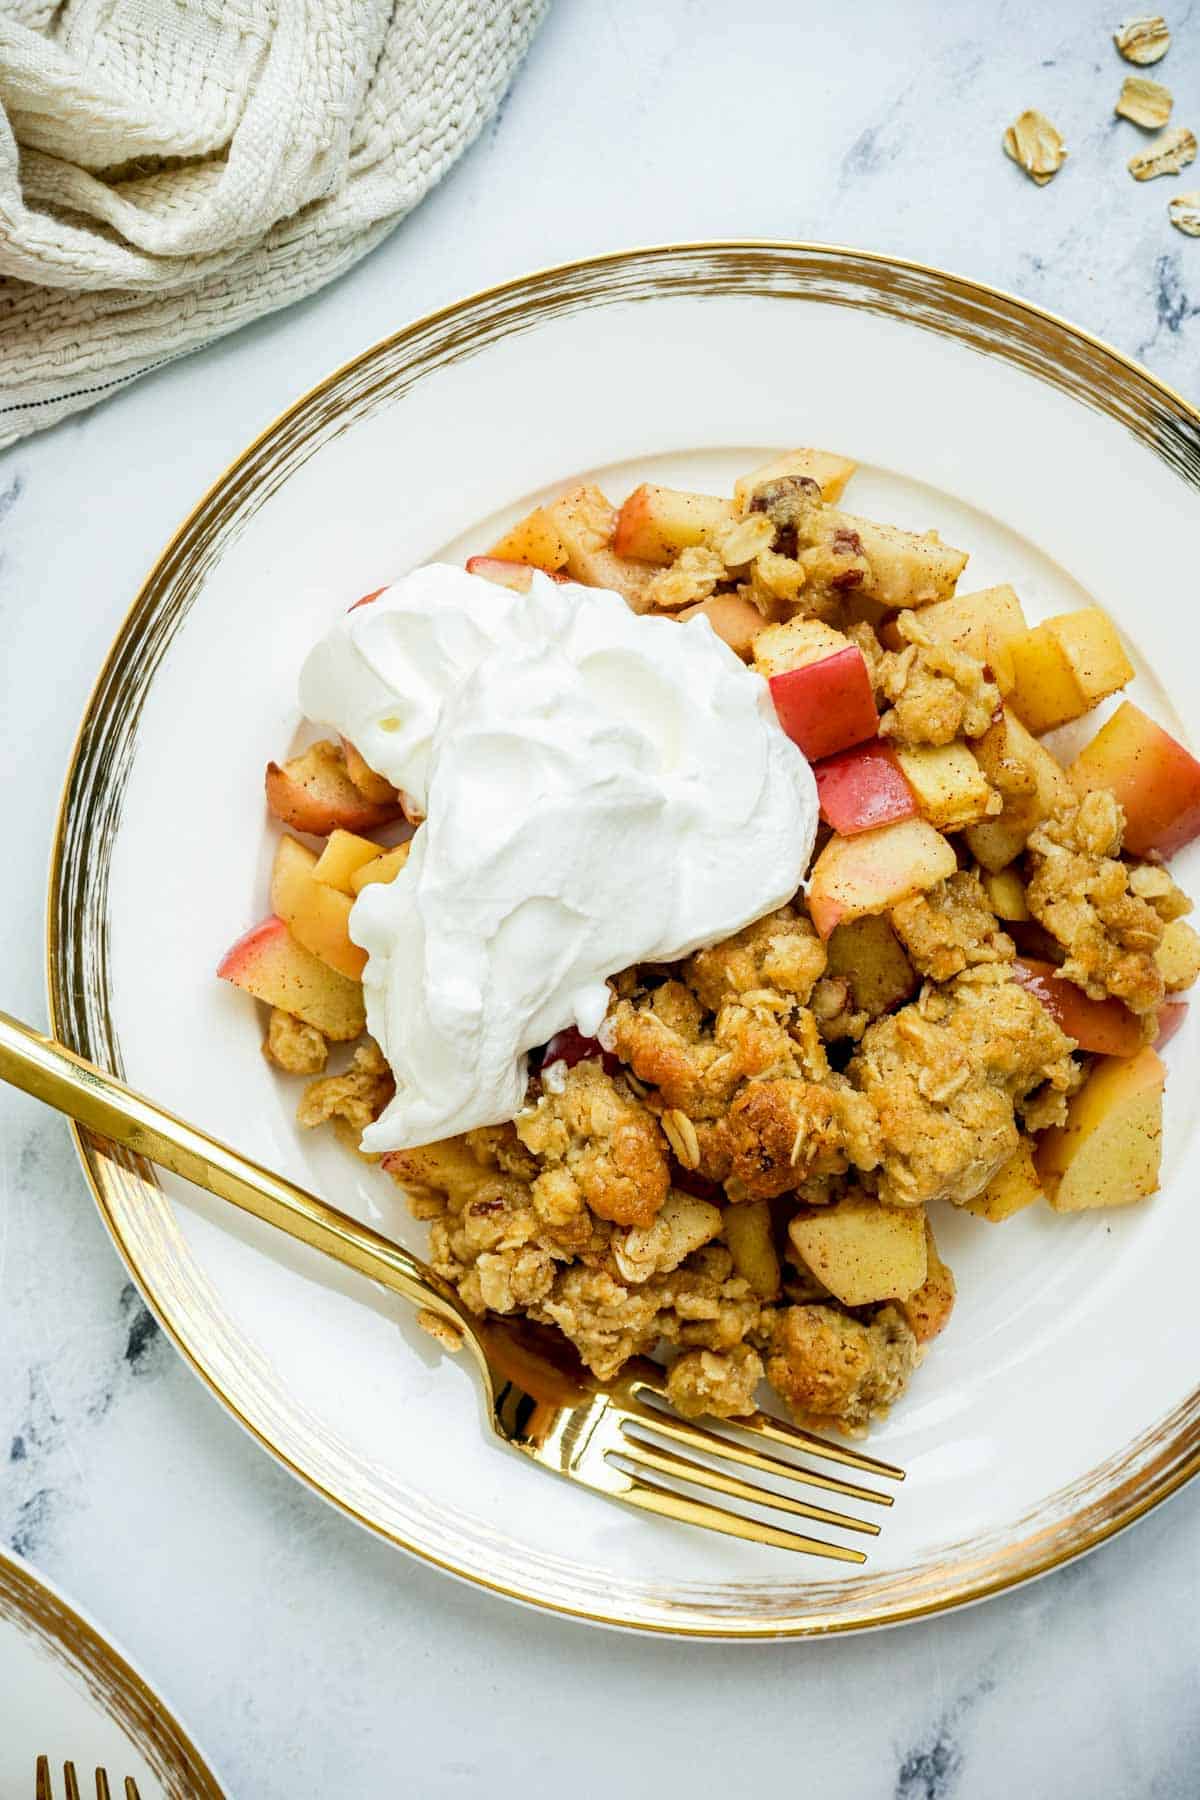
x=615, y=1437
x=45, y=1790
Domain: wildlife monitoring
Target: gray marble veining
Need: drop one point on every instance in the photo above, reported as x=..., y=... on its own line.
x=310, y=1659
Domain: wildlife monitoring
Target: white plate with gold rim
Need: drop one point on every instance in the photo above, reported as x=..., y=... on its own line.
x=67, y=1694
x=1060, y=1403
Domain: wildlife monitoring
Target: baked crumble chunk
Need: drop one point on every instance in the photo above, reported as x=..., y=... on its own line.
x=747, y=1173
x=1088, y=900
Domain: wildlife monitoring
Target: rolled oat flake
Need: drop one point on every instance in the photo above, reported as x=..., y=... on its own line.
x=1037, y=145
x=1184, y=211
x=1143, y=41
x=1145, y=102
x=1167, y=155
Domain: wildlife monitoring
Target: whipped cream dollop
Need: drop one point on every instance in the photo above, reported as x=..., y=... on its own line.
x=601, y=788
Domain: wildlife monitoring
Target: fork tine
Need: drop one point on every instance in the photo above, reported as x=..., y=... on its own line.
x=44, y=1790
x=779, y=1432
x=667, y=1463
x=72, y=1783
x=679, y=1507
x=131, y=1789
x=763, y=1424
x=102, y=1792
x=698, y=1437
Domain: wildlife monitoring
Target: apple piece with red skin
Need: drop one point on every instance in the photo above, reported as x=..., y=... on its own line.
x=874, y=871
x=269, y=963
x=1155, y=779
x=367, y=599
x=827, y=706
x=656, y=523
x=514, y=575
x=313, y=792
x=1103, y=1027
x=1171, y=1015
x=862, y=788
x=585, y=521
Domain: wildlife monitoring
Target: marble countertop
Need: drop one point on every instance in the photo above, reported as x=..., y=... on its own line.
x=308, y=1658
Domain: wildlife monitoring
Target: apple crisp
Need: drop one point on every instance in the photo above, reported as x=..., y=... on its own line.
x=744, y=1170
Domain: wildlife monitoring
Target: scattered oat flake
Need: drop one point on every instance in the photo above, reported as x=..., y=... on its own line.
x=1144, y=101
x=1034, y=142
x=1185, y=212
x=1143, y=41
x=1173, y=151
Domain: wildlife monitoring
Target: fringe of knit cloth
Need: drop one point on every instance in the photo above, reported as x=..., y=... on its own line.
x=170, y=169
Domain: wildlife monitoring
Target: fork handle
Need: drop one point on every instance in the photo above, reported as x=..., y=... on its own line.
x=50, y=1072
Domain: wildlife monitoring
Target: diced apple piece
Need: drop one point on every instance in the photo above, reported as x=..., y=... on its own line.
x=1178, y=956
x=1092, y=645
x=830, y=472
x=447, y=1166
x=751, y=1244
x=950, y=788
x=384, y=868
x=656, y=523
x=780, y=648
x=1156, y=780
x=828, y=705
x=502, y=573
x=873, y=872
x=533, y=540
x=862, y=788
x=928, y=1309
x=1109, y=1151
x=1045, y=693
x=1006, y=895
x=344, y=852
x=735, y=619
x=867, y=953
x=863, y=1251
x=314, y=793
x=270, y=964
x=585, y=523
x=1004, y=752
x=1011, y=1189
x=905, y=568
x=371, y=786
x=514, y=575
x=1105, y=1027
x=1065, y=667
x=982, y=625
x=317, y=916
x=1170, y=1018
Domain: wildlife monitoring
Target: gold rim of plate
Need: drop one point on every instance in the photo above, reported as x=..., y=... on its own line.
x=127, y=1191
x=74, y=1644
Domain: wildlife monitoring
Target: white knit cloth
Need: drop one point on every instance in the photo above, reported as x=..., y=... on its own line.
x=172, y=168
